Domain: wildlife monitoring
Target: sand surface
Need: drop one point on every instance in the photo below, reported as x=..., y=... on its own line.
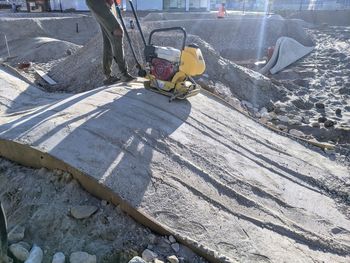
x=237, y=178
x=198, y=167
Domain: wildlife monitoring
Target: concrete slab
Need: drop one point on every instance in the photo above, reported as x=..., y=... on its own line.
x=196, y=168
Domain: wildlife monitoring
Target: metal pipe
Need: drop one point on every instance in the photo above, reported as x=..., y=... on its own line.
x=137, y=22
x=127, y=36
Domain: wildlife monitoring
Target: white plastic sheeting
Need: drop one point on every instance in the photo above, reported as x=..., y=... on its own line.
x=286, y=52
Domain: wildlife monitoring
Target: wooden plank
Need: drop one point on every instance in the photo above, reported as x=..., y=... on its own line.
x=45, y=77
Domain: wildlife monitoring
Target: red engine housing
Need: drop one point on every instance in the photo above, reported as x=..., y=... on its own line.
x=162, y=69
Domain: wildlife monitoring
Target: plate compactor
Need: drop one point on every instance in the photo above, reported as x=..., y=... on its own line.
x=168, y=71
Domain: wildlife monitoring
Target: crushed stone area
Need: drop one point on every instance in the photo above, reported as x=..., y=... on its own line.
x=318, y=89
x=40, y=207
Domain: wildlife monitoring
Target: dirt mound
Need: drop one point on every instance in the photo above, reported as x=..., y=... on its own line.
x=40, y=50
x=330, y=17
x=77, y=29
x=195, y=15
x=83, y=71
x=244, y=37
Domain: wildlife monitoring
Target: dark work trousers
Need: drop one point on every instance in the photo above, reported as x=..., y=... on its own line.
x=112, y=45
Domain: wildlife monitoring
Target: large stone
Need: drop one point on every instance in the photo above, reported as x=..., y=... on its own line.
x=16, y=234
x=175, y=247
x=19, y=252
x=172, y=239
x=329, y=123
x=84, y=211
x=35, y=256
x=82, y=257
x=149, y=255
x=137, y=260
x=283, y=118
x=59, y=257
x=173, y=259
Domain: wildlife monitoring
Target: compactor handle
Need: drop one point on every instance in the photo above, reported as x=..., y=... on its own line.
x=167, y=30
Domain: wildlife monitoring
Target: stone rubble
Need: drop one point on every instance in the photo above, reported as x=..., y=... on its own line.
x=59, y=257
x=82, y=212
x=82, y=257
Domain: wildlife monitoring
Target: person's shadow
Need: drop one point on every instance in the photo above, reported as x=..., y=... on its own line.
x=117, y=142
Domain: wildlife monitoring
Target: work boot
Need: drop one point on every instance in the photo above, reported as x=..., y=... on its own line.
x=126, y=77
x=110, y=80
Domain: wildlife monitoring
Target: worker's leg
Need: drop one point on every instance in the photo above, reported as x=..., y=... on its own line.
x=107, y=54
x=109, y=23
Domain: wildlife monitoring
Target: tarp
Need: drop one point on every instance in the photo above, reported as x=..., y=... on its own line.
x=286, y=52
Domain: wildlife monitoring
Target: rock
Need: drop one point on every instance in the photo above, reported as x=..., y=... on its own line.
x=149, y=246
x=283, y=118
x=279, y=110
x=36, y=255
x=84, y=211
x=149, y=255
x=264, y=120
x=173, y=259
x=338, y=111
x=305, y=120
x=82, y=257
x=19, y=252
x=322, y=119
x=152, y=238
x=175, y=247
x=296, y=133
x=263, y=111
x=172, y=239
x=329, y=123
x=247, y=104
x=294, y=122
x=25, y=245
x=282, y=127
x=158, y=261
x=16, y=234
x=103, y=202
x=302, y=104
x=269, y=106
x=272, y=116
x=59, y=257
x=329, y=151
x=137, y=260
x=68, y=52
x=257, y=114
x=319, y=106
x=315, y=125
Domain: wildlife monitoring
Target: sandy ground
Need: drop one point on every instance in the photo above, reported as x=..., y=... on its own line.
x=40, y=201
x=307, y=232
x=238, y=179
